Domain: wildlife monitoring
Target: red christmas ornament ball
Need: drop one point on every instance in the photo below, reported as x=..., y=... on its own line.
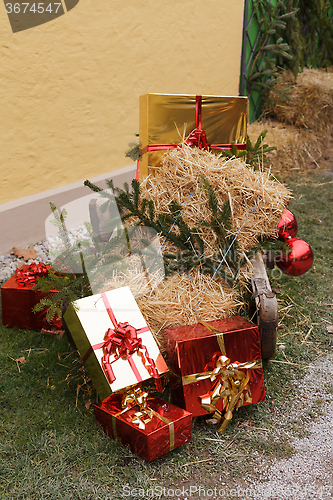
x=298, y=260
x=287, y=225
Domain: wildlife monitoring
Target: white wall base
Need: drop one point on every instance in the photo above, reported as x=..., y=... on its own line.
x=22, y=222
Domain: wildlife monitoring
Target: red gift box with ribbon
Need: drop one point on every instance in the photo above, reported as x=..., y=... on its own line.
x=18, y=297
x=207, y=122
x=150, y=426
x=215, y=365
x=114, y=341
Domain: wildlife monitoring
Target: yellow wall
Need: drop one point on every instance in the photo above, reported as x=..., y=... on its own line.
x=70, y=88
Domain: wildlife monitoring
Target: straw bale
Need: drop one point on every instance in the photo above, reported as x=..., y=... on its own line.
x=310, y=103
x=296, y=147
x=173, y=302
x=179, y=175
x=135, y=277
x=140, y=272
x=301, y=128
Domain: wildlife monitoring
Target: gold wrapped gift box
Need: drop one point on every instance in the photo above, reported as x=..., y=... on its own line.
x=166, y=120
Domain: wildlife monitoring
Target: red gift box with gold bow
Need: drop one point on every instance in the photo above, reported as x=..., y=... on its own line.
x=207, y=122
x=150, y=426
x=215, y=366
x=18, y=297
x=114, y=341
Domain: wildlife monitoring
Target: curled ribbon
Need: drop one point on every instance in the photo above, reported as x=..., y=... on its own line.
x=123, y=342
x=230, y=384
x=29, y=276
x=138, y=398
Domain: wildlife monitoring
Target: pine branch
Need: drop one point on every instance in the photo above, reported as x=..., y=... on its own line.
x=92, y=186
x=219, y=222
x=191, y=248
x=70, y=287
x=254, y=155
x=133, y=151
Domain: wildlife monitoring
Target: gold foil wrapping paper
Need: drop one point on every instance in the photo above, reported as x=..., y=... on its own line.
x=167, y=119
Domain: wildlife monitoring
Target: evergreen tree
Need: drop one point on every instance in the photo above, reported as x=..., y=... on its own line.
x=272, y=49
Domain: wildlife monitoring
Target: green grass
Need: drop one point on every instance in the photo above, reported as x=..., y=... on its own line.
x=52, y=448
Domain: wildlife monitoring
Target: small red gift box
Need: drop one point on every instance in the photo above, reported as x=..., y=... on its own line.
x=166, y=427
x=18, y=297
x=193, y=352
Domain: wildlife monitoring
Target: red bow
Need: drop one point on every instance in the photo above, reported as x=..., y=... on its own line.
x=122, y=341
x=198, y=136
x=30, y=275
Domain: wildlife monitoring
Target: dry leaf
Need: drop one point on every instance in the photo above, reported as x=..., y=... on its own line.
x=26, y=253
x=18, y=361
x=88, y=404
x=56, y=333
x=212, y=421
x=329, y=328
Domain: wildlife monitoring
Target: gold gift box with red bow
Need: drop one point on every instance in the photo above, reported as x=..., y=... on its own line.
x=209, y=122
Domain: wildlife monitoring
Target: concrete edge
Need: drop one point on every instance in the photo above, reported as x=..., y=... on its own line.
x=22, y=222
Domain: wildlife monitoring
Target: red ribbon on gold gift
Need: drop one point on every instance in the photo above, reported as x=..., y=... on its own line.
x=122, y=341
x=196, y=138
x=30, y=275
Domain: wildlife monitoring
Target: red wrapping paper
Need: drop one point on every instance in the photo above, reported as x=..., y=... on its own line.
x=190, y=348
x=153, y=441
x=17, y=302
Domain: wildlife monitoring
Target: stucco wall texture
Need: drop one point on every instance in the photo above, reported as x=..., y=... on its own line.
x=70, y=88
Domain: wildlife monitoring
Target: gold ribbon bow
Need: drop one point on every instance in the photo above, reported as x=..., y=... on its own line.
x=230, y=386
x=230, y=383
x=137, y=397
